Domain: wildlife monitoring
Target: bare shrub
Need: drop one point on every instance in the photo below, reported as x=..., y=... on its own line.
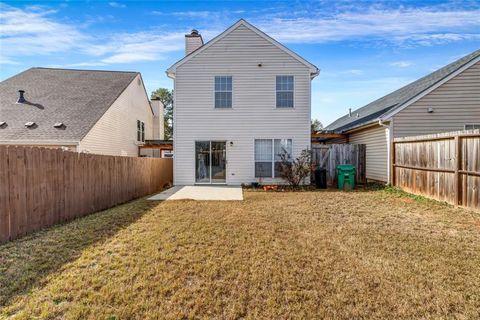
x=295, y=171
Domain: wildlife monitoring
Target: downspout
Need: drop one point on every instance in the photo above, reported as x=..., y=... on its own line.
x=388, y=126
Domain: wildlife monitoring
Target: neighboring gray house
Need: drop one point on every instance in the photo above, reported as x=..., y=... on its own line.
x=445, y=100
x=239, y=100
x=102, y=112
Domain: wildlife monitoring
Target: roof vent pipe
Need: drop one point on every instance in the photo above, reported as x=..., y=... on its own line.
x=349, y=112
x=21, y=99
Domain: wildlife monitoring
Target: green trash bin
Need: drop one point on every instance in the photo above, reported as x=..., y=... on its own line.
x=346, y=176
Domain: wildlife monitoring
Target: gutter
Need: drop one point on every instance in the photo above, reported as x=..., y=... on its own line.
x=381, y=122
x=170, y=74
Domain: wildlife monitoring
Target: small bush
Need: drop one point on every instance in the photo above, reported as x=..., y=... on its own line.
x=297, y=170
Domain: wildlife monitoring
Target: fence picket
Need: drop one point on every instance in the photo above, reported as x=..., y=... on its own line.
x=329, y=156
x=41, y=187
x=443, y=166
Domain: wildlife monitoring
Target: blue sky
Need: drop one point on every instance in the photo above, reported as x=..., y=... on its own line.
x=364, y=49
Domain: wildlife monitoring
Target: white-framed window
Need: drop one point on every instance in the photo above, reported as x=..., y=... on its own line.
x=285, y=91
x=472, y=126
x=223, y=91
x=268, y=156
x=140, y=131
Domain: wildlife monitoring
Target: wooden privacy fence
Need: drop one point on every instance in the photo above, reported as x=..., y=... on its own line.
x=443, y=166
x=40, y=187
x=331, y=155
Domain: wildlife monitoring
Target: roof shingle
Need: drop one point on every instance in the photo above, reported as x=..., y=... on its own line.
x=76, y=98
x=379, y=107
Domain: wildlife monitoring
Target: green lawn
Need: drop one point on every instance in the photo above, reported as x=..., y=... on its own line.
x=374, y=254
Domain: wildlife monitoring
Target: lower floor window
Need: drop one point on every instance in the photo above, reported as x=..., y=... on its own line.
x=268, y=156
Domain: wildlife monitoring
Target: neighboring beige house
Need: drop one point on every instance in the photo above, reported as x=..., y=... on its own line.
x=101, y=112
x=445, y=100
x=239, y=100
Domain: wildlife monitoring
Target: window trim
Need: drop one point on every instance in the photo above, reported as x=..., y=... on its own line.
x=293, y=91
x=214, y=91
x=471, y=124
x=273, y=161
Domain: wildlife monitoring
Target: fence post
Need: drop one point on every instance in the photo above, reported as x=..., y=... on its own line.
x=458, y=142
x=392, y=165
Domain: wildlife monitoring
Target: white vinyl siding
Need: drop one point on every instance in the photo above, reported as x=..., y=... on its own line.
x=376, y=141
x=455, y=104
x=115, y=133
x=254, y=114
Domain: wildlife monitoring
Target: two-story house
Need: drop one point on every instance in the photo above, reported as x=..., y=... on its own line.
x=240, y=99
x=447, y=99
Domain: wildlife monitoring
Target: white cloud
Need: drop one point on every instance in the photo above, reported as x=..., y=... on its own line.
x=143, y=46
x=117, y=5
x=32, y=32
x=36, y=32
x=187, y=14
x=401, y=64
x=81, y=64
x=5, y=60
x=355, y=72
x=420, y=26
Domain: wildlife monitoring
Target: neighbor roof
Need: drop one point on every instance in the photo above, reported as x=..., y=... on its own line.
x=76, y=98
x=385, y=106
x=242, y=22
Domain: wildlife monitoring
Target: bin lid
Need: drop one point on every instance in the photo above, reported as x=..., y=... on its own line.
x=346, y=167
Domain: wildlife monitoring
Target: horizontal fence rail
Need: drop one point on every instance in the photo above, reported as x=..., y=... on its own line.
x=40, y=187
x=328, y=156
x=443, y=166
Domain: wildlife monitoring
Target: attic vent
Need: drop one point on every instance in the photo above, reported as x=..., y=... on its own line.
x=21, y=98
x=30, y=124
x=58, y=125
x=2, y=124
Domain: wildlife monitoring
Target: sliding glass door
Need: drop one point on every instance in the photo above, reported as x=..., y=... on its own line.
x=210, y=162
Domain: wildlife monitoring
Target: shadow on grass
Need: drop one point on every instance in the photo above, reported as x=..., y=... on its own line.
x=25, y=263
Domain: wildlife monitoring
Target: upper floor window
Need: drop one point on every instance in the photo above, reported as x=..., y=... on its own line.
x=223, y=92
x=140, y=131
x=285, y=91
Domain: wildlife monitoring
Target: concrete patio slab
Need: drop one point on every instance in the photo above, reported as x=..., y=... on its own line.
x=223, y=193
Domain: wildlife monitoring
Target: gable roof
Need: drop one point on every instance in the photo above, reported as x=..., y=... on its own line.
x=385, y=107
x=313, y=69
x=76, y=98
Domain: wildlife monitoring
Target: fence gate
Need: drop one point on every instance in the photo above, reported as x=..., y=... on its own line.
x=329, y=156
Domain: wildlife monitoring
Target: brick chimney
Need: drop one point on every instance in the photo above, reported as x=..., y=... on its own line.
x=193, y=41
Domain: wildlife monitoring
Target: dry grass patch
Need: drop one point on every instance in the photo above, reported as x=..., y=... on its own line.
x=274, y=255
